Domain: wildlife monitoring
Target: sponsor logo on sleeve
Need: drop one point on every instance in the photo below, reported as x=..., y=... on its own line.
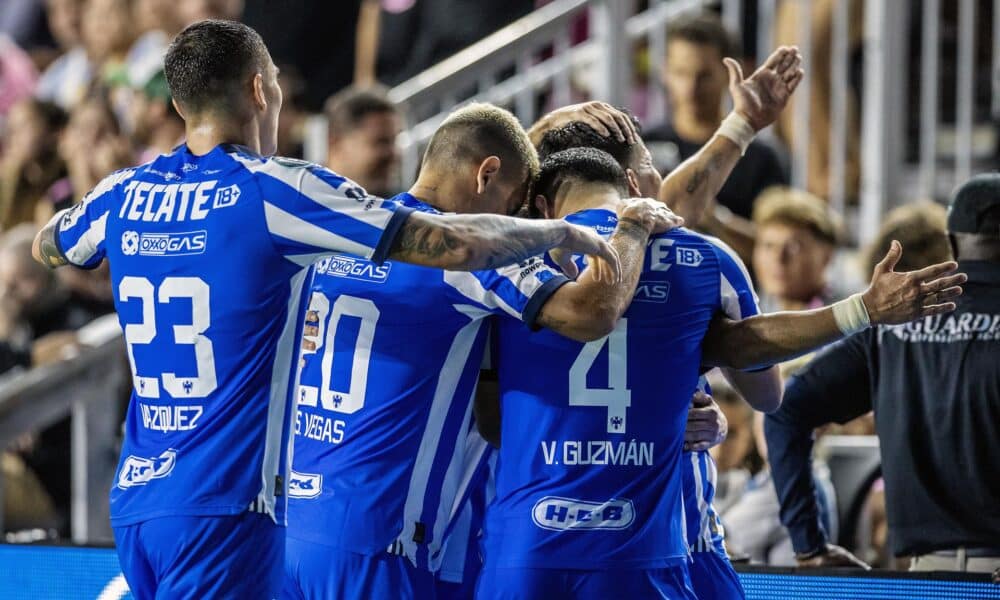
x=568, y=514
x=652, y=291
x=353, y=268
x=689, y=257
x=305, y=485
x=137, y=470
x=226, y=197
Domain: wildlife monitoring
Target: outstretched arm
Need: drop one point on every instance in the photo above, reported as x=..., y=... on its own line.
x=589, y=308
x=757, y=102
x=892, y=298
x=482, y=242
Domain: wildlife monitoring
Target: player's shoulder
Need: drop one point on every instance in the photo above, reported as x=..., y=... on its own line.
x=111, y=182
x=723, y=251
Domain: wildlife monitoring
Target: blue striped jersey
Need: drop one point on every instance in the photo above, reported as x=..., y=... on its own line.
x=460, y=557
x=702, y=525
x=209, y=257
x=589, y=473
x=386, y=398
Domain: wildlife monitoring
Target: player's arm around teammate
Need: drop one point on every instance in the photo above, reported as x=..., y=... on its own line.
x=892, y=298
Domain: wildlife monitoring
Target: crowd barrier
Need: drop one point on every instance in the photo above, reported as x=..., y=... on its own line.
x=86, y=573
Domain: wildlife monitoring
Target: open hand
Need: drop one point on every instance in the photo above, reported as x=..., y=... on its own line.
x=894, y=298
x=603, y=118
x=600, y=255
x=833, y=556
x=761, y=97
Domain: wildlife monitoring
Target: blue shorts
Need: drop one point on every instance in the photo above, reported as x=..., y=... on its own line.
x=318, y=571
x=713, y=577
x=237, y=556
x=517, y=583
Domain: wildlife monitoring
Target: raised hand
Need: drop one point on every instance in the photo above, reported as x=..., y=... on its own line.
x=761, y=97
x=651, y=215
x=600, y=255
x=833, y=556
x=894, y=298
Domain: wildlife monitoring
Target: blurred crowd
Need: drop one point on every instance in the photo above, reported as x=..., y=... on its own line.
x=82, y=93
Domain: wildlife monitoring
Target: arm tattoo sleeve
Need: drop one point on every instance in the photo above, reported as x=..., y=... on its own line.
x=473, y=242
x=48, y=248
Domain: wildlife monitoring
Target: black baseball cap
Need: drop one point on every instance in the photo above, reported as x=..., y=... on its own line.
x=975, y=206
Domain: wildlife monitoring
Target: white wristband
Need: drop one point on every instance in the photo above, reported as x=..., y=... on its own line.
x=737, y=129
x=851, y=315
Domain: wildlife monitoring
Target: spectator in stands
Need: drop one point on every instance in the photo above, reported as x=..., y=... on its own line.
x=935, y=388
x=156, y=126
x=736, y=457
x=30, y=164
x=796, y=236
x=695, y=80
x=107, y=33
x=93, y=144
x=67, y=79
x=17, y=76
x=191, y=11
x=363, y=125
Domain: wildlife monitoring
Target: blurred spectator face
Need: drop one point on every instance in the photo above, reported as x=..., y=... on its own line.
x=65, y=21
x=191, y=11
x=367, y=152
x=152, y=15
x=93, y=139
x=922, y=230
x=695, y=78
x=22, y=284
x=27, y=135
x=790, y=261
x=107, y=28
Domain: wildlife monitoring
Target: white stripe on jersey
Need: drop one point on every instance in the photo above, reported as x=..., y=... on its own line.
x=729, y=298
x=444, y=395
x=471, y=287
x=287, y=225
x=699, y=487
x=299, y=178
x=475, y=448
x=278, y=398
x=86, y=246
x=739, y=263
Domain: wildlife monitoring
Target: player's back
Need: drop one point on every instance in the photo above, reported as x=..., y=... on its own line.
x=208, y=258
x=385, y=400
x=588, y=475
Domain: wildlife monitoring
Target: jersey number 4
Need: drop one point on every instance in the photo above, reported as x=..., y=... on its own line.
x=617, y=397
x=190, y=288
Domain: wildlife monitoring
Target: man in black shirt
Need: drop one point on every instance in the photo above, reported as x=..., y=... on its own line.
x=695, y=80
x=934, y=385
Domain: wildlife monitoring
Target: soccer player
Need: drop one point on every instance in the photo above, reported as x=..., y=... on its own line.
x=209, y=247
x=589, y=501
x=380, y=442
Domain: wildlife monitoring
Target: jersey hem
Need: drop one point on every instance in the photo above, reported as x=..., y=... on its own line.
x=390, y=233
x=638, y=564
x=224, y=510
x=537, y=301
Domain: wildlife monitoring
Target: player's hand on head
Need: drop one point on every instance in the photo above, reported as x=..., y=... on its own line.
x=706, y=424
x=603, y=118
x=652, y=215
x=832, y=556
x=762, y=96
x=899, y=297
x=600, y=255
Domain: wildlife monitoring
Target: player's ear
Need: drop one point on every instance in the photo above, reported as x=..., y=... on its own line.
x=487, y=173
x=260, y=102
x=542, y=206
x=633, y=183
x=177, y=107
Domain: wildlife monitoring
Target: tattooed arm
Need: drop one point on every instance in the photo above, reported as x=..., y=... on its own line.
x=45, y=249
x=480, y=242
x=758, y=99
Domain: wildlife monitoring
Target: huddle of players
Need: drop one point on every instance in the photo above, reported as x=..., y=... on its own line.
x=217, y=252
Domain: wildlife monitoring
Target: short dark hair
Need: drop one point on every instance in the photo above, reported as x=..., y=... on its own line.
x=580, y=135
x=478, y=130
x=207, y=64
x=704, y=29
x=588, y=165
x=346, y=109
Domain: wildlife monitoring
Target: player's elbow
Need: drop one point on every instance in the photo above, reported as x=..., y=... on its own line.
x=766, y=403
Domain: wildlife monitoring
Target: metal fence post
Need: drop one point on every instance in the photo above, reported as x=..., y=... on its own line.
x=614, y=70
x=94, y=430
x=883, y=111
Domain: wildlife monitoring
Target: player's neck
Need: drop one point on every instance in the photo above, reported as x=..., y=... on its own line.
x=204, y=134
x=576, y=197
x=439, y=192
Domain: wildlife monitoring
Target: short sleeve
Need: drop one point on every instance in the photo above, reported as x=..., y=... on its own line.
x=737, y=297
x=81, y=229
x=311, y=212
x=517, y=290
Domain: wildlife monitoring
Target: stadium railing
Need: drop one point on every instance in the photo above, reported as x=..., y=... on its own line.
x=535, y=55
x=83, y=388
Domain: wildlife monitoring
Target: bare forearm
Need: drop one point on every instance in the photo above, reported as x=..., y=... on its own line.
x=589, y=308
x=764, y=340
x=691, y=186
x=761, y=389
x=473, y=242
x=45, y=249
